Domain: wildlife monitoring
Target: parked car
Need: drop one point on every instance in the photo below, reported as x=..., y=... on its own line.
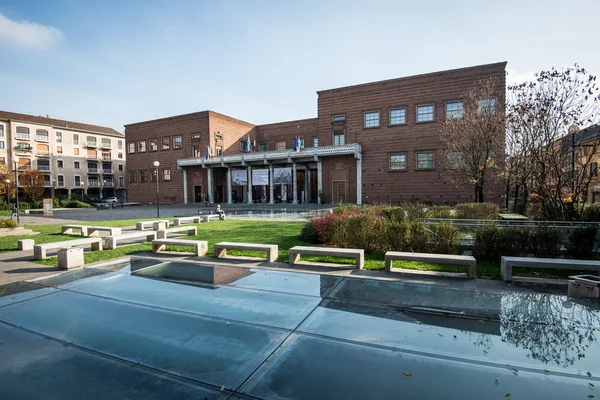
x=111, y=200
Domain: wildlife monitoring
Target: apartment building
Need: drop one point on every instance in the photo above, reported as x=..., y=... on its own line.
x=370, y=143
x=74, y=157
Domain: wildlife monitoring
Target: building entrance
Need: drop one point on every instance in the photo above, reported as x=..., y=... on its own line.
x=339, y=191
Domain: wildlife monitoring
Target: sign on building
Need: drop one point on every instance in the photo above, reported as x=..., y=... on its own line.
x=260, y=177
x=282, y=176
x=48, y=207
x=239, y=177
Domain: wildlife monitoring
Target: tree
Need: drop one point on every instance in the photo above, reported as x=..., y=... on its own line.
x=552, y=159
x=473, y=140
x=5, y=174
x=33, y=183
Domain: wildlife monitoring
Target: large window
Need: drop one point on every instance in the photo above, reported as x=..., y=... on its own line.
x=75, y=138
x=121, y=181
x=218, y=150
x=2, y=145
x=143, y=175
x=372, y=119
x=424, y=161
x=59, y=137
x=280, y=145
x=454, y=110
x=153, y=145
x=41, y=135
x=120, y=145
x=178, y=142
x=338, y=118
x=141, y=146
x=486, y=106
x=263, y=147
x=425, y=113
x=153, y=175
x=398, y=116
x=130, y=147
x=1, y=130
x=165, y=143
x=22, y=132
x=60, y=180
x=131, y=176
x=77, y=180
x=339, y=138
x=76, y=165
x=398, y=162
x=166, y=174
x=315, y=141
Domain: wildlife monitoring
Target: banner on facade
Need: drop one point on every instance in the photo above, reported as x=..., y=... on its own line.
x=239, y=177
x=282, y=176
x=47, y=207
x=260, y=177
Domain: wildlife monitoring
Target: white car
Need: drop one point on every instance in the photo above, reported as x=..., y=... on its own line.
x=111, y=200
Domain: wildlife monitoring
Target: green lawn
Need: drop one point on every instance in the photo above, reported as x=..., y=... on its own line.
x=284, y=234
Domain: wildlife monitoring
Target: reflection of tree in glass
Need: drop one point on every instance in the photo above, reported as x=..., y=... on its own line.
x=550, y=328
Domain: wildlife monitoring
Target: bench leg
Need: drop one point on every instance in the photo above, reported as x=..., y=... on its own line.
x=161, y=234
x=38, y=253
x=388, y=264
x=360, y=261
x=202, y=248
x=97, y=246
x=294, y=258
x=472, y=271
x=505, y=271
x=111, y=243
x=84, y=231
x=220, y=252
x=158, y=247
x=272, y=254
x=67, y=231
x=151, y=237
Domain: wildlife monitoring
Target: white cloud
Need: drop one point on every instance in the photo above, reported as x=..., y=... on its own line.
x=28, y=35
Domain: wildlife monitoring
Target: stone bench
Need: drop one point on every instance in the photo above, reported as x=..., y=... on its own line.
x=40, y=250
x=508, y=263
x=189, y=230
x=186, y=220
x=200, y=246
x=207, y=218
x=111, y=241
x=68, y=229
x=469, y=261
x=358, y=254
x=272, y=250
x=95, y=230
x=140, y=226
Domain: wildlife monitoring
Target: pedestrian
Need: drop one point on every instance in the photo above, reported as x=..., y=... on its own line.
x=15, y=212
x=220, y=212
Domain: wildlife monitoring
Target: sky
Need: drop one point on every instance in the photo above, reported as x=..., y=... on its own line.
x=113, y=62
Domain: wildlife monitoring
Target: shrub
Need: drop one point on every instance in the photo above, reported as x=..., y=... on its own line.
x=439, y=212
x=23, y=205
x=583, y=242
x=394, y=214
x=418, y=240
x=397, y=236
x=545, y=242
x=492, y=242
x=487, y=211
x=591, y=213
x=363, y=231
x=535, y=211
x=445, y=239
x=415, y=211
x=75, y=204
x=8, y=223
x=309, y=233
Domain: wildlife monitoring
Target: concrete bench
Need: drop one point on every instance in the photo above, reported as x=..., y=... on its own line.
x=186, y=220
x=508, y=263
x=358, y=254
x=140, y=226
x=200, y=246
x=272, y=250
x=189, y=230
x=111, y=241
x=207, y=218
x=469, y=261
x=40, y=250
x=68, y=229
x=95, y=230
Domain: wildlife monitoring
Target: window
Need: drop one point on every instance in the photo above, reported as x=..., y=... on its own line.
x=106, y=143
x=120, y=167
x=76, y=151
x=425, y=113
x=242, y=146
x=153, y=175
x=398, y=116
x=58, y=137
x=218, y=138
x=196, y=151
x=454, y=110
x=106, y=155
x=120, y=155
x=594, y=169
x=372, y=119
x=130, y=147
x=339, y=138
x=141, y=146
x=218, y=150
x=22, y=132
x=60, y=180
x=165, y=144
x=77, y=180
x=75, y=138
x=280, y=145
x=1, y=130
x=120, y=145
x=398, y=162
x=166, y=174
x=2, y=145
x=59, y=149
x=263, y=147
x=143, y=175
x=60, y=163
x=131, y=176
x=76, y=164
x=195, y=137
x=486, y=106
x=453, y=160
x=177, y=142
x=315, y=141
x=42, y=135
x=424, y=161
x=153, y=145
x=121, y=181
x=337, y=118
x=91, y=141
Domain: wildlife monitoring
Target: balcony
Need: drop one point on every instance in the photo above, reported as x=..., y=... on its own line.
x=93, y=171
x=23, y=151
x=91, y=157
x=23, y=136
x=60, y=184
x=78, y=184
x=106, y=145
x=106, y=158
x=42, y=138
x=41, y=153
x=91, y=144
x=108, y=171
x=94, y=184
x=108, y=184
x=47, y=184
x=43, y=168
x=24, y=167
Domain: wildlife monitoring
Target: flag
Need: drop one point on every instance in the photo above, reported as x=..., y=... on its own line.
x=208, y=152
x=255, y=148
x=295, y=144
x=248, y=144
x=301, y=143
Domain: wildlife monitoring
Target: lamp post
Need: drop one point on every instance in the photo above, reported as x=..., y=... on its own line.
x=156, y=164
x=8, y=192
x=16, y=161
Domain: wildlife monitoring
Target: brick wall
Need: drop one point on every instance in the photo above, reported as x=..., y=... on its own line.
x=274, y=133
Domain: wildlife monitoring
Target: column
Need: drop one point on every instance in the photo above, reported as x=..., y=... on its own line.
x=210, y=185
x=306, y=186
x=185, y=186
x=249, y=170
x=359, y=181
x=229, y=194
x=271, y=186
x=319, y=181
x=294, y=184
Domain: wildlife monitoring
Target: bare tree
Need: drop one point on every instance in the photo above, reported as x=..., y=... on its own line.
x=552, y=157
x=33, y=184
x=473, y=140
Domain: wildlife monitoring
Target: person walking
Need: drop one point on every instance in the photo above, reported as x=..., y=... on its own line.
x=15, y=212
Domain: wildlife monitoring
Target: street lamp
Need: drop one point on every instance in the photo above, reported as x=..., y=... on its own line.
x=16, y=161
x=156, y=164
x=8, y=192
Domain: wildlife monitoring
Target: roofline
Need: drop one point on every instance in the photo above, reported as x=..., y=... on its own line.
x=289, y=122
x=116, y=134
x=208, y=112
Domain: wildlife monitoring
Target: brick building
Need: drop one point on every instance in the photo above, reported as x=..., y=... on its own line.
x=374, y=142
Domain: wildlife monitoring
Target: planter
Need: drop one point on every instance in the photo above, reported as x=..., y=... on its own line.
x=584, y=286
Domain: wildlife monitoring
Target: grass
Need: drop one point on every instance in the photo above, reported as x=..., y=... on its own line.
x=284, y=234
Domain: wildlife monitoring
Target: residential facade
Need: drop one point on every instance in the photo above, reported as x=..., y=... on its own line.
x=75, y=158
x=370, y=143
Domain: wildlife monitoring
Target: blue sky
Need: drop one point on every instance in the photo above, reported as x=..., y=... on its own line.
x=115, y=62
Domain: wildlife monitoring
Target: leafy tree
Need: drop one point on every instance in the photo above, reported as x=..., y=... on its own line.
x=473, y=140
x=32, y=181
x=5, y=174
